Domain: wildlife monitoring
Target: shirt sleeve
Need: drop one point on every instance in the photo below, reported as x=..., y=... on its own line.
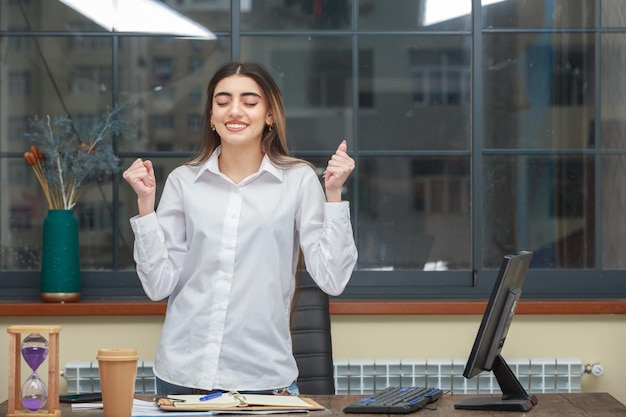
x=159, y=263
x=326, y=237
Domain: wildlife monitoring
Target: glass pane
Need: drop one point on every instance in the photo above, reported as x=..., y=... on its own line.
x=167, y=78
x=612, y=13
x=539, y=203
x=612, y=217
x=414, y=93
x=22, y=211
x=613, y=93
x=538, y=91
x=39, y=84
x=25, y=208
x=43, y=15
x=414, y=213
x=295, y=14
x=173, y=17
x=94, y=212
x=414, y=14
x=314, y=75
x=538, y=13
x=213, y=15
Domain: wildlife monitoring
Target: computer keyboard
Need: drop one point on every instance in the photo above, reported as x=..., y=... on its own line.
x=395, y=400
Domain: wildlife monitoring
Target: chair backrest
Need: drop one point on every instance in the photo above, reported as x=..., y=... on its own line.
x=312, y=344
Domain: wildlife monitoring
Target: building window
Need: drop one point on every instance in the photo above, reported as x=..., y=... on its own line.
x=19, y=83
x=194, y=123
x=194, y=64
x=18, y=126
x=196, y=94
x=90, y=80
x=162, y=121
x=162, y=68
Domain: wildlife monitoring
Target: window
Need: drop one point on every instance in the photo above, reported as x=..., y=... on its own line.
x=18, y=43
x=20, y=217
x=17, y=128
x=194, y=123
x=162, y=68
x=85, y=42
x=19, y=83
x=194, y=64
x=474, y=136
x=163, y=92
x=90, y=80
x=196, y=94
x=163, y=121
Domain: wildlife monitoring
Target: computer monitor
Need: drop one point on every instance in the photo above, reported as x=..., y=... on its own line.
x=485, y=354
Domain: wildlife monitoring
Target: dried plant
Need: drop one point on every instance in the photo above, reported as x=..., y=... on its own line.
x=63, y=162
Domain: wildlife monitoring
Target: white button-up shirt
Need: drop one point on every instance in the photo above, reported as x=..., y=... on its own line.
x=225, y=254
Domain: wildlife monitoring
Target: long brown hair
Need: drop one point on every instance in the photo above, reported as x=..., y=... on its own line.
x=274, y=140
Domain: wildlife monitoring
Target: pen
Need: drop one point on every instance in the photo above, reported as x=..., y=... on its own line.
x=211, y=396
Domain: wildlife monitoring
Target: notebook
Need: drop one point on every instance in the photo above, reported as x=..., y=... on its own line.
x=235, y=401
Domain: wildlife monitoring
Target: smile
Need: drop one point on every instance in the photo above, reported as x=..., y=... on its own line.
x=236, y=126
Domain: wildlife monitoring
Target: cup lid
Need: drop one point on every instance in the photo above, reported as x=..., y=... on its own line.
x=117, y=354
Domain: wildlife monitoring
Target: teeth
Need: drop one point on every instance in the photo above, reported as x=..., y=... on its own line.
x=236, y=126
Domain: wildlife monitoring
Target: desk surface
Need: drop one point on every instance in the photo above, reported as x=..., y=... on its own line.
x=549, y=405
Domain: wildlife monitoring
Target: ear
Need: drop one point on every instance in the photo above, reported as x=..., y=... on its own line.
x=268, y=119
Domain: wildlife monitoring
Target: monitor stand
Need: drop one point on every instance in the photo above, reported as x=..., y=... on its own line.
x=514, y=396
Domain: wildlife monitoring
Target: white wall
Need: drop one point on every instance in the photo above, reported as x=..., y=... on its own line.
x=592, y=338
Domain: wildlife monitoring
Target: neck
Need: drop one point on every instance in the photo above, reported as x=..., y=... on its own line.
x=238, y=162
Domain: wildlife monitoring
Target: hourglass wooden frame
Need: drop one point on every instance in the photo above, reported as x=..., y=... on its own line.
x=15, y=370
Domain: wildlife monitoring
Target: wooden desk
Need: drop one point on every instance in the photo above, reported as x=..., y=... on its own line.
x=550, y=405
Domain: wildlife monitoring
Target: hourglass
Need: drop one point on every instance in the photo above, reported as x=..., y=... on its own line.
x=34, y=349
x=34, y=392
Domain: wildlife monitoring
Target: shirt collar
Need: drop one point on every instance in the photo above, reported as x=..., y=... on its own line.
x=212, y=166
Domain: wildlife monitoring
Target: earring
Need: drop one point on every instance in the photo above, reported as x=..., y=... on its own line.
x=212, y=127
x=269, y=127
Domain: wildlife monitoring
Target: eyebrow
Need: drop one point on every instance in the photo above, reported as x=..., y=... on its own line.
x=224, y=93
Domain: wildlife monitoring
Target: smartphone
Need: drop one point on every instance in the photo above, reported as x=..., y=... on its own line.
x=90, y=397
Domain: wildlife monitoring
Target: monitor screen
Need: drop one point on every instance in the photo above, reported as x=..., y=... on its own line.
x=485, y=354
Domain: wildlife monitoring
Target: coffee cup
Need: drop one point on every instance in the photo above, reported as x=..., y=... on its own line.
x=118, y=372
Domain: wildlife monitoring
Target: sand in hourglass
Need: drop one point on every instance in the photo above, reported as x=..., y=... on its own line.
x=34, y=392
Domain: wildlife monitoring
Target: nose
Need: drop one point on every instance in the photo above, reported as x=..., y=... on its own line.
x=235, y=108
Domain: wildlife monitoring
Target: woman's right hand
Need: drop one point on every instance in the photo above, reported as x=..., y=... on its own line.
x=140, y=176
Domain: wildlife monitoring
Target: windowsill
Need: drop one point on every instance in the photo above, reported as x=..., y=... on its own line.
x=431, y=307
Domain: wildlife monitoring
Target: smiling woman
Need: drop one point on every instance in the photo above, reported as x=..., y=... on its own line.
x=226, y=237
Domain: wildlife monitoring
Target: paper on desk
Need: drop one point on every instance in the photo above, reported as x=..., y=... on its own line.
x=149, y=408
x=86, y=406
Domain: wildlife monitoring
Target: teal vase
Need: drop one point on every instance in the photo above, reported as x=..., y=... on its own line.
x=60, y=262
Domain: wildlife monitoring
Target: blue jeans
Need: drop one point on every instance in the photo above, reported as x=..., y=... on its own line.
x=166, y=388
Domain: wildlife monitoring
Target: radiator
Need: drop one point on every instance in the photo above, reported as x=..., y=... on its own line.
x=84, y=377
x=535, y=374
x=365, y=376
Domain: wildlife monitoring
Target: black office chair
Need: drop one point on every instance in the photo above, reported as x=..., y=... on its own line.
x=312, y=345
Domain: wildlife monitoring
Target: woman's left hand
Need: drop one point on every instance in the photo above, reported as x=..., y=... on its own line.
x=339, y=168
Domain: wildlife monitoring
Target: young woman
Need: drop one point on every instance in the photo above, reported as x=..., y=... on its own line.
x=224, y=242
